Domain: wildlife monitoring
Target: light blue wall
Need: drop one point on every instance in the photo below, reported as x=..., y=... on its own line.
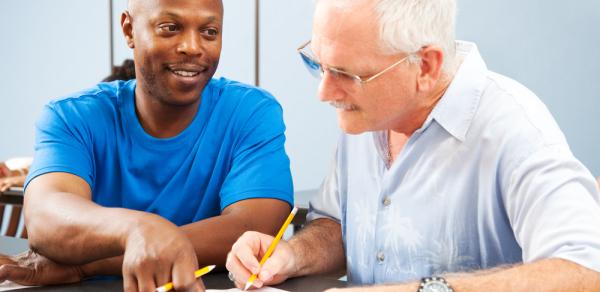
x=312, y=128
x=552, y=47
x=49, y=49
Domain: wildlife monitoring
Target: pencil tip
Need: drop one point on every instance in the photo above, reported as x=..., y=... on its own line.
x=247, y=286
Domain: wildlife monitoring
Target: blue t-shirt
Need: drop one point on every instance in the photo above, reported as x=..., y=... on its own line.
x=232, y=150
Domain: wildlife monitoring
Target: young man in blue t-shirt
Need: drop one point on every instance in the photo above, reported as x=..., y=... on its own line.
x=151, y=177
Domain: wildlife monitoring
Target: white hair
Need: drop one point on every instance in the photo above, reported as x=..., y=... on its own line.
x=406, y=26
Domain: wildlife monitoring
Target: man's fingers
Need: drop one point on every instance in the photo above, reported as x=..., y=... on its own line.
x=4, y=186
x=238, y=270
x=183, y=277
x=162, y=275
x=201, y=284
x=273, y=266
x=145, y=280
x=15, y=274
x=249, y=247
x=129, y=283
x=4, y=171
x=5, y=260
x=248, y=259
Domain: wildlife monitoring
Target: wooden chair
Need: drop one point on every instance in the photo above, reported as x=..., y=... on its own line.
x=11, y=209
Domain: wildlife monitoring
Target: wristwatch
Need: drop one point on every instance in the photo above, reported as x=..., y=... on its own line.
x=434, y=284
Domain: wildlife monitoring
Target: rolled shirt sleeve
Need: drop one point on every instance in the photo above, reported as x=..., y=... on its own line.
x=553, y=205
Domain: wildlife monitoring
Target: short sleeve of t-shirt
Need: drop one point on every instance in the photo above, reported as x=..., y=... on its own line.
x=61, y=145
x=260, y=167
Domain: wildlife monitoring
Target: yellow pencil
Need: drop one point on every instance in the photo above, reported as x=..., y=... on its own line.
x=272, y=246
x=198, y=273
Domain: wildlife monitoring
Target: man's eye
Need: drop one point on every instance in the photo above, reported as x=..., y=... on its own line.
x=211, y=32
x=169, y=27
x=340, y=74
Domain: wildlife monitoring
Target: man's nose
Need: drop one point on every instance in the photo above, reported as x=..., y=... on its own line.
x=329, y=88
x=191, y=44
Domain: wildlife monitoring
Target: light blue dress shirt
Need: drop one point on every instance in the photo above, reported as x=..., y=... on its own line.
x=488, y=180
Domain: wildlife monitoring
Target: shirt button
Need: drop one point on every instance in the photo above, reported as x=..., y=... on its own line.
x=380, y=256
x=387, y=201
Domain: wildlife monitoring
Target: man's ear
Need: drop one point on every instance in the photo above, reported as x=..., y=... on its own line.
x=432, y=59
x=127, y=28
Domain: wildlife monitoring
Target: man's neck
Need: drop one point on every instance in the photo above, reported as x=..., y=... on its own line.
x=416, y=120
x=397, y=138
x=162, y=120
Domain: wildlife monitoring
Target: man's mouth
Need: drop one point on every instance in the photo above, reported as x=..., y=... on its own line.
x=343, y=106
x=184, y=73
x=187, y=69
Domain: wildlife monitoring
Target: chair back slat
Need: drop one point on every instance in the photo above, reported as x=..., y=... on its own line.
x=14, y=220
x=1, y=215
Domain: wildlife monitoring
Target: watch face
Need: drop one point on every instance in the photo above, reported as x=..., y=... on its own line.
x=436, y=286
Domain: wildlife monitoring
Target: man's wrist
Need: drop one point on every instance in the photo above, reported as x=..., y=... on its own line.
x=295, y=262
x=132, y=221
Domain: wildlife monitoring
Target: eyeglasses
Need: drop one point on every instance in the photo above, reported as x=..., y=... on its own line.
x=317, y=69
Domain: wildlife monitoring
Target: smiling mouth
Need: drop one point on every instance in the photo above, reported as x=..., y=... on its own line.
x=188, y=70
x=184, y=73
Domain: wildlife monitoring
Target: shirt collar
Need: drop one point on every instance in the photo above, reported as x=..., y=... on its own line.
x=457, y=107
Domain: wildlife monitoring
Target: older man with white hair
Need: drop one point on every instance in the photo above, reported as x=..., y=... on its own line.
x=448, y=176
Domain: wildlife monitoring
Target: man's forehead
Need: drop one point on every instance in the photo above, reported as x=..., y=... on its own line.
x=342, y=24
x=156, y=6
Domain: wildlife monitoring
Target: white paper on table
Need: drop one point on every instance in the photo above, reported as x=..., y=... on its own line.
x=8, y=285
x=263, y=289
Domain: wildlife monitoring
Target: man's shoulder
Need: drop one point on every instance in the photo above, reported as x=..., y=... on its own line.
x=510, y=107
x=513, y=122
x=104, y=95
x=97, y=107
x=229, y=89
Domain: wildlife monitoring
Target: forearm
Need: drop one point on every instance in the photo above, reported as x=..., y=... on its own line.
x=72, y=230
x=545, y=275
x=212, y=238
x=318, y=248
x=106, y=267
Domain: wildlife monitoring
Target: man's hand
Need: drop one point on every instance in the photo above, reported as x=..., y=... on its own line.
x=157, y=252
x=32, y=269
x=9, y=182
x=4, y=171
x=243, y=260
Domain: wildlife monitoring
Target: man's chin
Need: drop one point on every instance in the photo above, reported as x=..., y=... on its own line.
x=182, y=101
x=351, y=127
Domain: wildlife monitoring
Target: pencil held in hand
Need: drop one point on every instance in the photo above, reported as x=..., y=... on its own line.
x=272, y=246
x=199, y=273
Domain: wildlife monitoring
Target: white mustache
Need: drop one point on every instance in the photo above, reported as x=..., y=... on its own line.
x=341, y=105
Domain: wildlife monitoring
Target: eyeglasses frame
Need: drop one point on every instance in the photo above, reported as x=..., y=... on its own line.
x=360, y=80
